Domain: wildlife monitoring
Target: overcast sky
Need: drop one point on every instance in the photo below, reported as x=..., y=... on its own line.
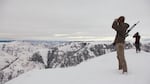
x=70, y=19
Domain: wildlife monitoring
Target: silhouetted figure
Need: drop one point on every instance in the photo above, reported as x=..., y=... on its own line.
x=137, y=42
x=120, y=27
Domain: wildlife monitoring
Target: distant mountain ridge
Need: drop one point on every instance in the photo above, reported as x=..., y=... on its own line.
x=6, y=40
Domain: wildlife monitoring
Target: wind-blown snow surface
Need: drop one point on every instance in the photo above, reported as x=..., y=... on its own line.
x=100, y=70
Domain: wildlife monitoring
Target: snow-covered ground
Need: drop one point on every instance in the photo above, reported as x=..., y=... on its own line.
x=100, y=70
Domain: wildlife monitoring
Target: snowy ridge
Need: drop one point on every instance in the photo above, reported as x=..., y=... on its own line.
x=15, y=59
x=102, y=69
x=19, y=57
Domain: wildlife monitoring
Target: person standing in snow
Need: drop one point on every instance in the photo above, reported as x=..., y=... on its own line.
x=137, y=42
x=120, y=27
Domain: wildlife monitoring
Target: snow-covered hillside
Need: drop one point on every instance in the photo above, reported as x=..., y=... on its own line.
x=100, y=70
x=14, y=59
x=19, y=57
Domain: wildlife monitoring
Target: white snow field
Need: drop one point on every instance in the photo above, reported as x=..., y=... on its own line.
x=100, y=70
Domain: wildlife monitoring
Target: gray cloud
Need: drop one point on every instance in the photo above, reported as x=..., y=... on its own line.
x=44, y=18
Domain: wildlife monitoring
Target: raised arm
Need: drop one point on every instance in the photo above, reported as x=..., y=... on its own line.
x=115, y=24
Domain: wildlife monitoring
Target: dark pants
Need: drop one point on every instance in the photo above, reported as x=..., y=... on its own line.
x=137, y=46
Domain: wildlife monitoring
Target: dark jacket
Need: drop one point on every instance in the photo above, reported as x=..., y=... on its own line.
x=121, y=31
x=137, y=38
